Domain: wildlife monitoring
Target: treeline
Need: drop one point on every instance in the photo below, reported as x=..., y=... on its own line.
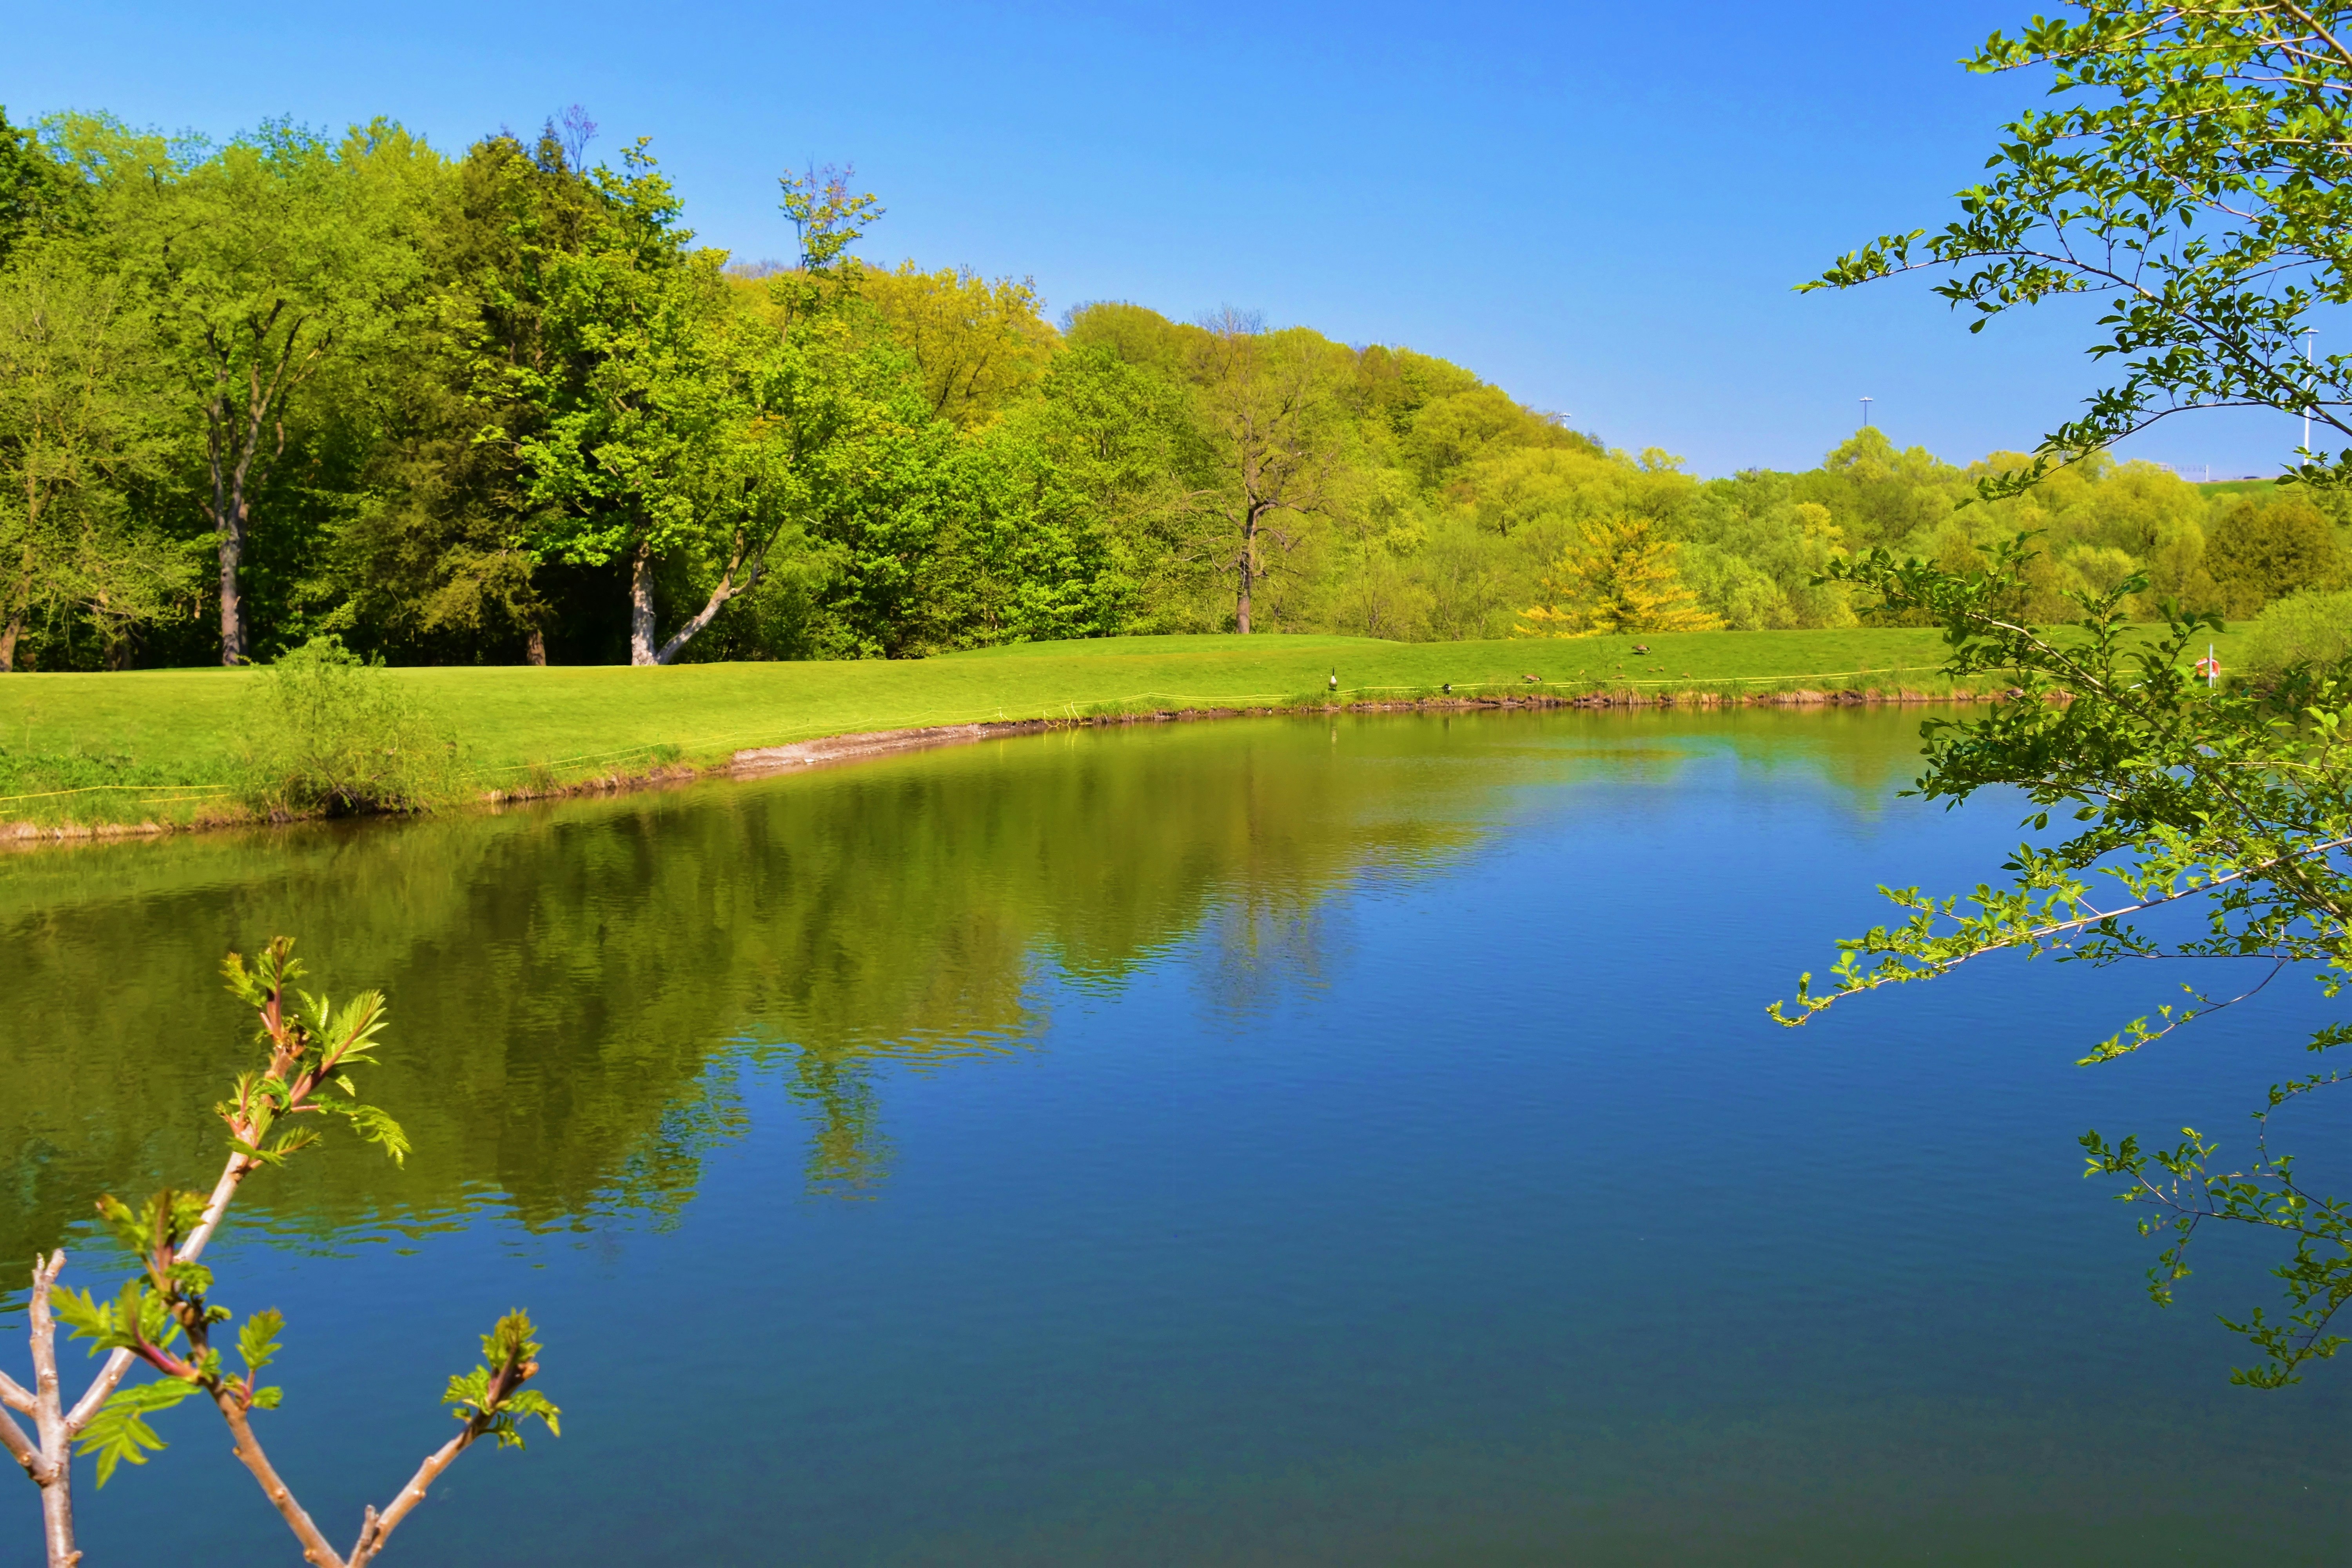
x=500, y=406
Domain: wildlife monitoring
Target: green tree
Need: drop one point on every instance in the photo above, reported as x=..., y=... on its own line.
x=674, y=429
x=2191, y=180
x=2256, y=553
x=81, y=421
x=1121, y=445
x=429, y=560
x=977, y=343
x=260, y=262
x=39, y=196
x=1619, y=576
x=1266, y=403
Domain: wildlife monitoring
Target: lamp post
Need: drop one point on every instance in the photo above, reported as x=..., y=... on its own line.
x=1865, y=411
x=2308, y=333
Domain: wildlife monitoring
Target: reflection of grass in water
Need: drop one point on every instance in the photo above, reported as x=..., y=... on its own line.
x=523, y=728
x=571, y=983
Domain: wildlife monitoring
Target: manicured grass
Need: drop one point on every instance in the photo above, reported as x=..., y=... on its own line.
x=132, y=733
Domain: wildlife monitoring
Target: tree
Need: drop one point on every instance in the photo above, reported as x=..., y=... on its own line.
x=978, y=345
x=424, y=558
x=260, y=262
x=1617, y=576
x=2192, y=183
x=164, y=1317
x=1124, y=451
x=1266, y=402
x=79, y=420
x=2257, y=554
x=2230, y=801
x=672, y=427
x=38, y=196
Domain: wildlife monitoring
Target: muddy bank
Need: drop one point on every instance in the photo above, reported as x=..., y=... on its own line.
x=834, y=750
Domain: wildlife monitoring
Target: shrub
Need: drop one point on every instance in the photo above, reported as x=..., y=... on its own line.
x=331, y=733
x=2258, y=554
x=2311, y=628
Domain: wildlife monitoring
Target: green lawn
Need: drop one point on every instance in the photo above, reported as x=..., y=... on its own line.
x=133, y=735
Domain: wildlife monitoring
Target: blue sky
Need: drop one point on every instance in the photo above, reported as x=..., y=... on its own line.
x=1601, y=208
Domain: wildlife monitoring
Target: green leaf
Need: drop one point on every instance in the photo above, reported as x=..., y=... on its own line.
x=119, y=1433
x=372, y=1123
x=258, y=1340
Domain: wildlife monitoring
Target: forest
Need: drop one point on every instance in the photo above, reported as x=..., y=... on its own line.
x=501, y=407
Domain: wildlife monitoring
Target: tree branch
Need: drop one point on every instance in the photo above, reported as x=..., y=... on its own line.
x=378, y=1526
x=117, y=1364
x=247, y=1448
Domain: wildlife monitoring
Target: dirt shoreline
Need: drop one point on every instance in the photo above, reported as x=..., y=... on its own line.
x=836, y=751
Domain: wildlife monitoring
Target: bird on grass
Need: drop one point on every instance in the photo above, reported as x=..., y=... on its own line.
x=1335, y=678
x=1641, y=647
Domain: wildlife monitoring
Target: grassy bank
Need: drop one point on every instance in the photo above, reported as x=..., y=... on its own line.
x=169, y=746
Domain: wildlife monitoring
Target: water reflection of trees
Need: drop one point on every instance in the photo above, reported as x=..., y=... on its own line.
x=572, y=985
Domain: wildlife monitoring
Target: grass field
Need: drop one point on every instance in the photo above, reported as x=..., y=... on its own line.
x=167, y=746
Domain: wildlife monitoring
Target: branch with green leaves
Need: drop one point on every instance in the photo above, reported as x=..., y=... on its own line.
x=2226, y=812
x=163, y=1316
x=2191, y=179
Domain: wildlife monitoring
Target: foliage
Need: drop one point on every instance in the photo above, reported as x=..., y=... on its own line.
x=1617, y=576
x=164, y=1316
x=79, y=431
x=500, y=406
x=2312, y=627
x=2191, y=180
x=2254, y=553
x=2232, y=802
x=977, y=344
x=329, y=732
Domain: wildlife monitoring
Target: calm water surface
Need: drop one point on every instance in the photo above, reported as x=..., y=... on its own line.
x=1262, y=1142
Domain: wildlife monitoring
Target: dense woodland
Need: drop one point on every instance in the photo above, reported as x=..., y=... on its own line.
x=501, y=407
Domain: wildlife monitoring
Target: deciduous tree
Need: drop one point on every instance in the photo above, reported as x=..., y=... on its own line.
x=80, y=419
x=1619, y=576
x=1266, y=400
x=2190, y=179
x=259, y=262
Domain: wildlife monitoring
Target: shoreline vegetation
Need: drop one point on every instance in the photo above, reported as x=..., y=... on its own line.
x=143, y=754
x=502, y=408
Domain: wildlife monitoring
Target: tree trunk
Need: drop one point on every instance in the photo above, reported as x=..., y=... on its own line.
x=228, y=522
x=21, y=601
x=641, y=605
x=535, y=648
x=1249, y=565
x=56, y=1514
x=718, y=598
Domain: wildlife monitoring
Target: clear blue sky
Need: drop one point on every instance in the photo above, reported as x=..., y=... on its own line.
x=1600, y=207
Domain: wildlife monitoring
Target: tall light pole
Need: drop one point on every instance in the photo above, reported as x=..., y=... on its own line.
x=2308, y=333
x=1865, y=413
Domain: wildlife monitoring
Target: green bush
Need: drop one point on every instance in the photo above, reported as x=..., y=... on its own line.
x=332, y=735
x=2311, y=628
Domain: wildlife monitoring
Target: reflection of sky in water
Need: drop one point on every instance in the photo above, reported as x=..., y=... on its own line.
x=1232, y=1145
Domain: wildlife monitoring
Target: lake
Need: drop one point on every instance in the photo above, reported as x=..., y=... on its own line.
x=1350, y=1141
